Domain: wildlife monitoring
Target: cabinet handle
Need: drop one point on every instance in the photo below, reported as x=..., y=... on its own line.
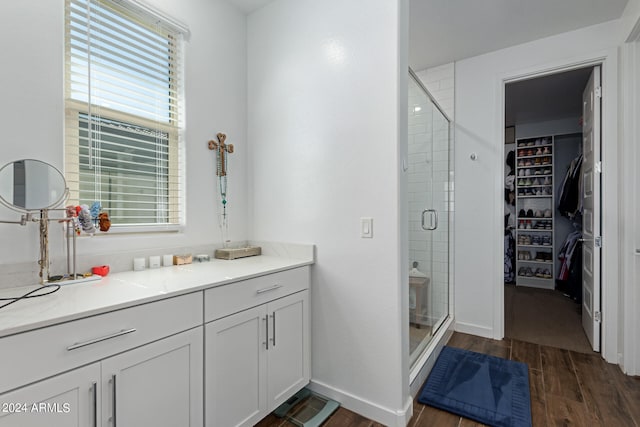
x=96, y=340
x=94, y=404
x=113, y=400
x=270, y=288
x=266, y=322
x=273, y=333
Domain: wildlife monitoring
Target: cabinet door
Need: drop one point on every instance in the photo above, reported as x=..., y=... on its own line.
x=288, y=356
x=235, y=369
x=66, y=400
x=158, y=384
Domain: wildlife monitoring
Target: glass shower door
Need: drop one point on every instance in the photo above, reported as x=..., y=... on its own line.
x=429, y=196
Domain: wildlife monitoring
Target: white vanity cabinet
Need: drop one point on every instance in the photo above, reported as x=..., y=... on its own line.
x=159, y=384
x=137, y=366
x=257, y=352
x=66, y=400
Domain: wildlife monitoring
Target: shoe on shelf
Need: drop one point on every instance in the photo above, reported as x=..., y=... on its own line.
x=530, y=213
x=547, y=213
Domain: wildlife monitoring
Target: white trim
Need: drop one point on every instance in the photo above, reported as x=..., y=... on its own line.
x=629, y=262
x=478, y=330
x=133, y=229
x=608, y=59
x=157, y=14
x=365, y=407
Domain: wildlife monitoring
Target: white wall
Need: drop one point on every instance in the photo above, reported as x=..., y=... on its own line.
x=478, y=129
x=32, y=111
x=327, y=108
x=549, y=127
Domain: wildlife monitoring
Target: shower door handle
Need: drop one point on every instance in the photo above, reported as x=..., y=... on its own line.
x=435, y=219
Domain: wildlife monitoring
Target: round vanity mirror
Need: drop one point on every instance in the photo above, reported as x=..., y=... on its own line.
x=31, y=185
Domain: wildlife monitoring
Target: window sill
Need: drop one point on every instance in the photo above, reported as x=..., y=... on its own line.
x=140, y=229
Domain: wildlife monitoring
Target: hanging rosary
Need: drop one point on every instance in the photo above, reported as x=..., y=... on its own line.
x=221, y=171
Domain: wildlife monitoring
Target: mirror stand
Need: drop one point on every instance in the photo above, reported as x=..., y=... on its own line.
x=70, y=236
x=24, y=219
x=29, y=186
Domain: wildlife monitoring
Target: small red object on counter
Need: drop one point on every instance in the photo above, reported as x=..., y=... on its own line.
x=101, y=270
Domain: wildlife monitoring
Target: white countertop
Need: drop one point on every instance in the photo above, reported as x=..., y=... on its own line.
x=120, y=290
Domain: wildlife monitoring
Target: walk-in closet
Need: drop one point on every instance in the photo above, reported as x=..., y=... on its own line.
x=548, y=129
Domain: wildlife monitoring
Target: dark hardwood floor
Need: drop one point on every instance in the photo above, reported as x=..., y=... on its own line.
x=567, y=389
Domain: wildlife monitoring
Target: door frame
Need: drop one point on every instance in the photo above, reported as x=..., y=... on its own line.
x=630, y=240
x=608, y=60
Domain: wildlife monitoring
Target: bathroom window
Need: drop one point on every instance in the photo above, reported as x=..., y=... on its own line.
x=123, y=112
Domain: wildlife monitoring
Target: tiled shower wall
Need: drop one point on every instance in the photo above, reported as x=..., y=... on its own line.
x=431, y=184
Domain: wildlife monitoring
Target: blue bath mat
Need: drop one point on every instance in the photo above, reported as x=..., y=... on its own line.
x=484, y=388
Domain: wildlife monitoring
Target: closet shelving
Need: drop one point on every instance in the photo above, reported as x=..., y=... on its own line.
x=534, y=210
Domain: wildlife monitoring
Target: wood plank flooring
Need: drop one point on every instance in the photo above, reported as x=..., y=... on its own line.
x=567, y=389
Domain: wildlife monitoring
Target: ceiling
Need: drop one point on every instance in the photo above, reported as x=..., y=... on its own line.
x=248, y=6
x=557, y=96
x=442, y=31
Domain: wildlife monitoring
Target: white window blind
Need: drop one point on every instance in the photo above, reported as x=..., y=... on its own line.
x=123, y=112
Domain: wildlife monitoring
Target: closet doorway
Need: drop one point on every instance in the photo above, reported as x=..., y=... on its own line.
x=552, y=209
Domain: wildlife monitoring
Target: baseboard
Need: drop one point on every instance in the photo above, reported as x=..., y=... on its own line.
x=368, y=409
x=470, y=328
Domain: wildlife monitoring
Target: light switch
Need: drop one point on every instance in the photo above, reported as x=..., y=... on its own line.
x=366, y=228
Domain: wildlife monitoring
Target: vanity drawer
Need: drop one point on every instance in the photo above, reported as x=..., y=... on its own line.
x=225, y=300
x=47, y=351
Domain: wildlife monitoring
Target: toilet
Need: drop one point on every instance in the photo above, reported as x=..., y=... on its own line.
x=418, y=287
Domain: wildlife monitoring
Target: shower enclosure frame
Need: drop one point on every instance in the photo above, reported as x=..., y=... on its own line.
x=420, y=363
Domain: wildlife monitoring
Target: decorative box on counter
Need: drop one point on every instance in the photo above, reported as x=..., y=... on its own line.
x=233, y=253
x=182, y=259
